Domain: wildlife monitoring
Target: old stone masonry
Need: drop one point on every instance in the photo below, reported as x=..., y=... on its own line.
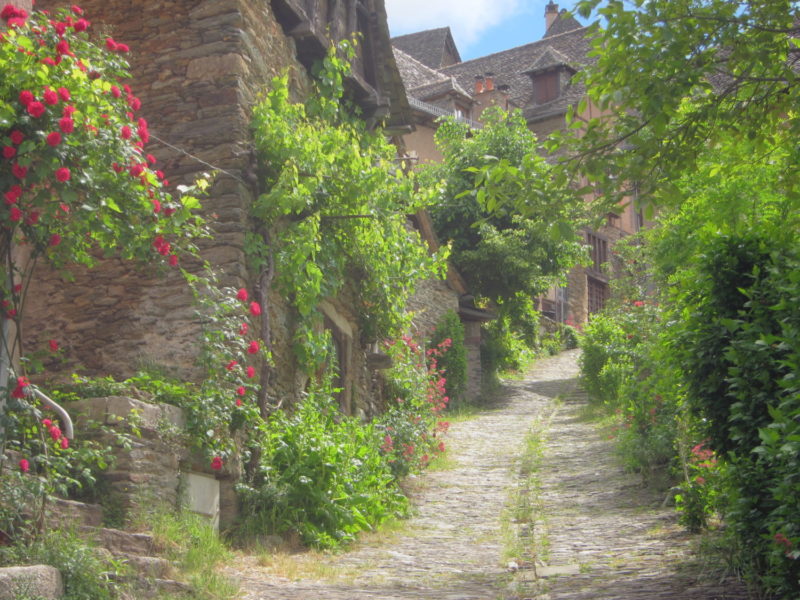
x=564, y=522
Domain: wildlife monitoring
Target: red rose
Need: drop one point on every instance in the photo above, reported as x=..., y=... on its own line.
x=255, y=309
x=33, y=218
x=18, y=171
x=47, y=422
x=81, y=25
x=126, y=132
x=49, y=61
x=173, y=260
x=64, y=94
x=55, y=433
x=55, y=240
x=36, y=109
x=115, y=91
x=62, y=47
x=243, y=329
x=134, y=102
x=16, y=215
x=216, y=463
x=77, y=9
x=17, y=137
x=242, y=295
x=251, y=372
x=60, y=28
x=68, y=111
x=253, y=347
x=50, y=97
x=238, y=402
x=66, y=125
x=156, y=205
x=24, y=465
x=19, y=391
x=9, y=151
x=53, y=139
x=64, y=443
x=63, y=174
x=241, y=390
x=111, y=44
x=12, y=12
x=151, y=160
x=231, y=365
x=136, y=170
x=26, y=97
x=123, y=48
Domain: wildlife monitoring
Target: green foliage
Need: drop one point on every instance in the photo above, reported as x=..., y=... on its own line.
x=336, y=208
x=707, y=71
x=85, y=571
x=322, y=474
x=525, y=238
x=453, y=362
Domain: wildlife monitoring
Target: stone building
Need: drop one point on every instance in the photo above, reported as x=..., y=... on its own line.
x=536, y=78
x=198, y=67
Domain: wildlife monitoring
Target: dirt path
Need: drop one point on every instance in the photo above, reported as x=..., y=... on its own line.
x=600, y=535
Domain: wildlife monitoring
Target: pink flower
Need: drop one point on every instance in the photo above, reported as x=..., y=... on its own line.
x=151, y=160
x=66, y=125
x=241, y=391
x=55, y=433
x=50, y=97
x=638, y=303
x=63, y=174
x=216, y=463
x=17, y=137
x=156, y=205
x=62, y=47
x=81, y=25
x=53, y=345
x=231, y=365
x=134, y=103
x=126, y=132
x=251, y=372
x=24, y=465
x=255, y=309
x=68, y=111
x=111, y=44
x=13, y=194
x=123, y=48
x=47, y=422
x=253, y=348
x=18, y=171
x=64, y=94
x=77, y=9
x=26, y=97
x=36, y=109
x=64, y=443
x=136, y=170
x=9, y=152
x=238, y=402
x=242, y=295
x=53, y=139
x=15, y=215
x=243, y=329
x=115, y=91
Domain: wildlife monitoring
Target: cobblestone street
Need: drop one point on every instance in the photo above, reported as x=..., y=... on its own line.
x=602, y=535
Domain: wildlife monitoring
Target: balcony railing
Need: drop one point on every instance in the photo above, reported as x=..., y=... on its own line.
x=438, y=111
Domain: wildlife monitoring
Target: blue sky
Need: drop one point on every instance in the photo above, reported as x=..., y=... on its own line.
x=479, y=27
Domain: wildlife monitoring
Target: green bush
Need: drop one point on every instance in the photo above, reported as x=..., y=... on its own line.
x=452, y=362
x=605, y=360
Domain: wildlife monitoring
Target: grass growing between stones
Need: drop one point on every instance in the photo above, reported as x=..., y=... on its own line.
x=523, y=522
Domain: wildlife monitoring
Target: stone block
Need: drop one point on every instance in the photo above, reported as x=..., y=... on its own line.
x=208, y=68
x=37, y=581
x=113, y=410
x=202, y=496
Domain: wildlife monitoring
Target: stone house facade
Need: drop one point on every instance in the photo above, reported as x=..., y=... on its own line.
x=198, y=67
x=536, y=78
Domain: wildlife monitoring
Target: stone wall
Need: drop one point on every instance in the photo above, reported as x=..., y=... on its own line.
x=432, y=299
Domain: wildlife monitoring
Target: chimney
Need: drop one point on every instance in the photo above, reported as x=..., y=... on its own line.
x=550, y=14
x=489, y=81
x=478, y=84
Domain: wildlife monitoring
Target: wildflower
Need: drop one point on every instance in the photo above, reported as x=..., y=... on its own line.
x=216, y=463
x=24, y=465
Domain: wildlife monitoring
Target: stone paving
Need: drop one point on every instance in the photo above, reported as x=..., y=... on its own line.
x=605, y=537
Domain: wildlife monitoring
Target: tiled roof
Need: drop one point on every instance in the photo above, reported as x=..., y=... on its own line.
x=548, y=59
x=428, y=47
x=564, y=22
x=421, y=81
x=509, y=68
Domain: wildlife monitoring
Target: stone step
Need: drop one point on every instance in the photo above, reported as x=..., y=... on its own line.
x=36, y=581
x=156, y=588
x=120, y=542
x=151, y=567
x=68, y=513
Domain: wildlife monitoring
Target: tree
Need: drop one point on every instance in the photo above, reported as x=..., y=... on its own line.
x=701, y=71
x=518, y=238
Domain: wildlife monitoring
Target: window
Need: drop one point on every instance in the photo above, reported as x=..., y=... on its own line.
x=598, y=294
x=545, y=87
x=598, y=250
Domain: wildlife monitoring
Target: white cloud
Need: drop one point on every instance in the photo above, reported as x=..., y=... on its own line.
x=467, y=18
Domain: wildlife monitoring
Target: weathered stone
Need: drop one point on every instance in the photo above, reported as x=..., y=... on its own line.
x=116, y=410
x=67, y=513
x=37, y=581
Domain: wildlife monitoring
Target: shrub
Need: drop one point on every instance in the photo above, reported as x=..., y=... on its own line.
x=453, y=362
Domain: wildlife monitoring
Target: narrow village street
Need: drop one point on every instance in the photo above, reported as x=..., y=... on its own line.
x=598, y=534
